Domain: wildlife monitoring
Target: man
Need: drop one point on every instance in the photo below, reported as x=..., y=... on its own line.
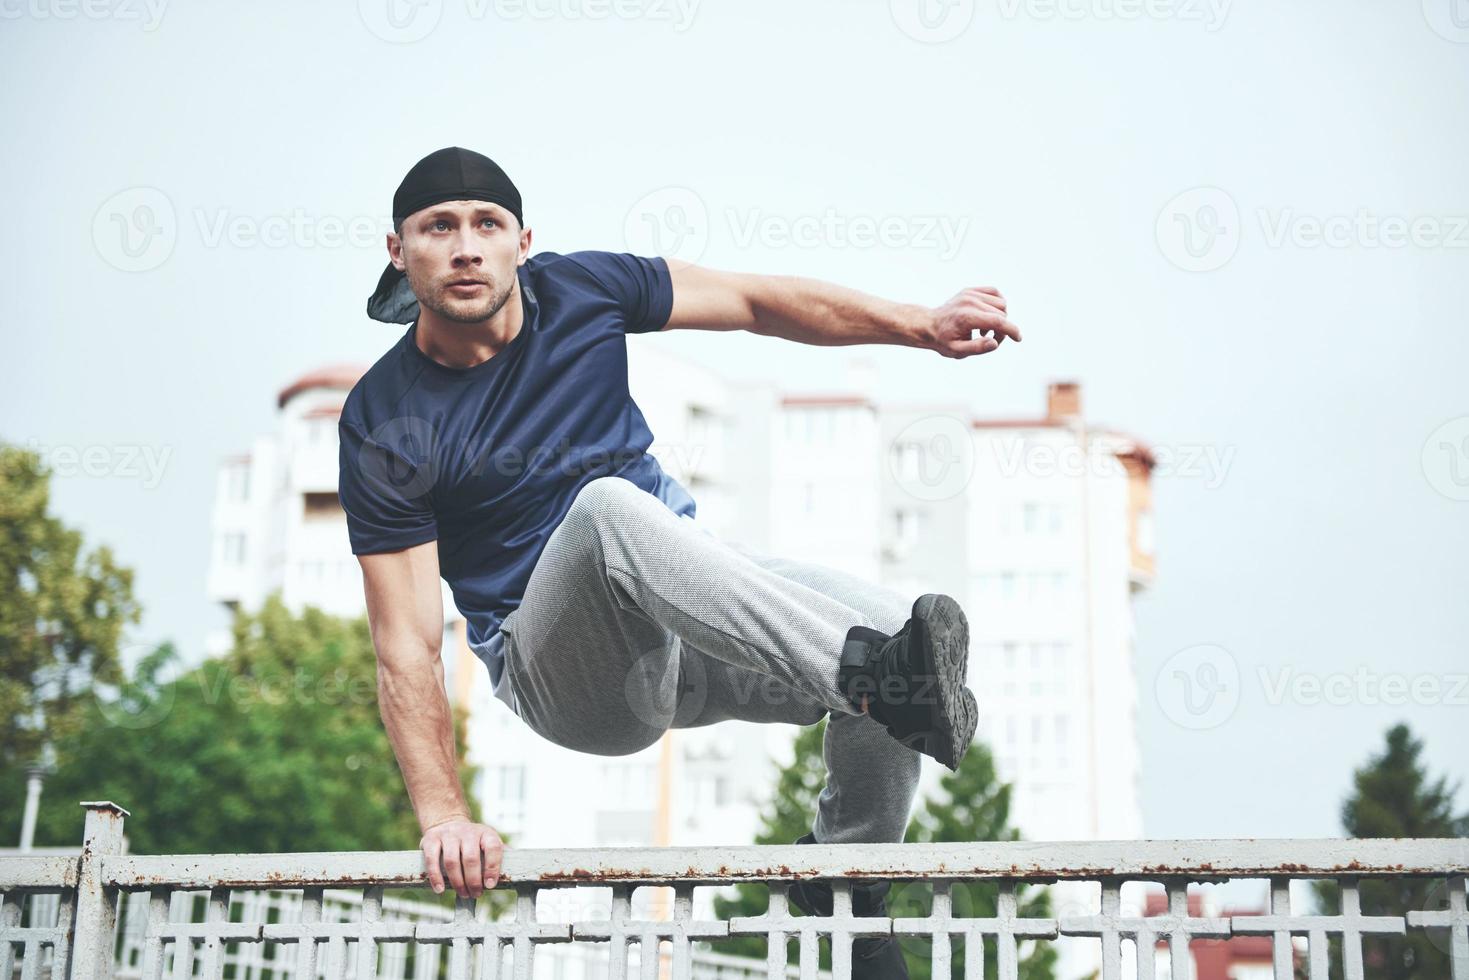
x=496, y=445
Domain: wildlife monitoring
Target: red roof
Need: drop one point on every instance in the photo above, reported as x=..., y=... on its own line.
x=811, y=401
x=1214, y=958
x=331, y=376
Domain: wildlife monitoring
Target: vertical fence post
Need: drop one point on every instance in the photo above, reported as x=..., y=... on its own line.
x=94, y=928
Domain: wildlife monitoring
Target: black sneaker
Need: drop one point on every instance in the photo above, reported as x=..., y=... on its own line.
x=873, y=957
x=913, y=682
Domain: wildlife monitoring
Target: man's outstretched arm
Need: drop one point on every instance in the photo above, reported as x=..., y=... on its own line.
x=406, y=617
x=810, y=311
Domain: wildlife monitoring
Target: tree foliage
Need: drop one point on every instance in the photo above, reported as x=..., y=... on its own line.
x=276, y=746
x=972, y=804
x=1393, y=795
x=62, y=615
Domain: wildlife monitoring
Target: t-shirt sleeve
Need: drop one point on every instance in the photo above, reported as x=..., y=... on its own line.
x=641, y=286
x=384, y=494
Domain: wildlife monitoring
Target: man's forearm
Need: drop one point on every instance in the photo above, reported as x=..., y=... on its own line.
x=420, y=726
x=810, y=311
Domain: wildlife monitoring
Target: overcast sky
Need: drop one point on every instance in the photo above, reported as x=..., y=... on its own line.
x=1241, y=225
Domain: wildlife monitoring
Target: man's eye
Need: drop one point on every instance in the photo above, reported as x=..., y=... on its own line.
x=491, y=221
x=441, y=225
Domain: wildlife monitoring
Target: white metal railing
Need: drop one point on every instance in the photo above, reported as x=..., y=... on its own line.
x=82, y=939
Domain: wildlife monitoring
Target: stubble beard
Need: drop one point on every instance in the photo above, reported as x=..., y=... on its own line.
x=436, y=297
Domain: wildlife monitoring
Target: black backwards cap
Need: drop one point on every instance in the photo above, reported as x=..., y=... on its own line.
x=450, y=174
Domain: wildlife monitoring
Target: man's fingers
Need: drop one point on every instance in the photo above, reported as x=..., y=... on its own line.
x=473, y=868
x=431, y=850
x=999, y=325
x=453, y=866
x=493, y=851
x=990, y=297
x=968, y=348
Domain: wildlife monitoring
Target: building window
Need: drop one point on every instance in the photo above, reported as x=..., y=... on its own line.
x=321, y=506
x=1145, y=532
x=907, y=523
x=232, y=549
x=237, y=483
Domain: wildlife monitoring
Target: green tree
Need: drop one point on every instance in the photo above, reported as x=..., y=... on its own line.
x=1394, y=796
x=62, y=615
x=276, y=746
x=787, y=816
x=971, y=805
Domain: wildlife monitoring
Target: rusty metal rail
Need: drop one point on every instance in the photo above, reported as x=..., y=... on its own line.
x=82, y=934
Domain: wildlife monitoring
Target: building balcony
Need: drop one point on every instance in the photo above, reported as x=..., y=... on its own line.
x=66, y=916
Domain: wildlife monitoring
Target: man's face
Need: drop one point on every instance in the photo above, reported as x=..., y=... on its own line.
x=460, y=257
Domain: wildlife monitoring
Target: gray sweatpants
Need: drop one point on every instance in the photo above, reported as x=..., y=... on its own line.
x=636, y=620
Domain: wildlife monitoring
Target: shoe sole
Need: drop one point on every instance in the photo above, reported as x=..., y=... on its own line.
x=946, y=629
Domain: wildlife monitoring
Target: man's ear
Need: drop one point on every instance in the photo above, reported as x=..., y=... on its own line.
x=395, y=252
x=525, y=237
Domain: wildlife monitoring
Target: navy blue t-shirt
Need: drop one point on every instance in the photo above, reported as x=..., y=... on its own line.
x=487, y=459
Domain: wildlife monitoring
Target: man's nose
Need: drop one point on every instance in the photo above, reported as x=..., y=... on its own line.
x=467, y=250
